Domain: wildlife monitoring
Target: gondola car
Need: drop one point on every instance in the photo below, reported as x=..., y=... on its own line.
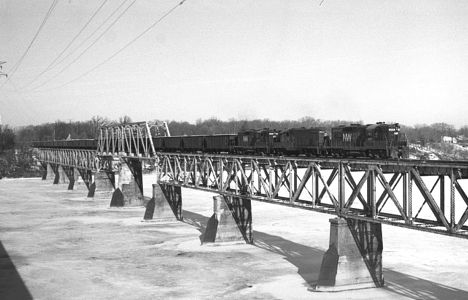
x=220, y=143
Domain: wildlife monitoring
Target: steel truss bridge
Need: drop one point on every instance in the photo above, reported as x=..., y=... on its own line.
x=416, y=194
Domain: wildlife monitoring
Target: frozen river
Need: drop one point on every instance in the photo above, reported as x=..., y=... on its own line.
x=58, y=244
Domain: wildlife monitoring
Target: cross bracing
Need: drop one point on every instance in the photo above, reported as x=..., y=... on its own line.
x=78, y=158
x=427, y=195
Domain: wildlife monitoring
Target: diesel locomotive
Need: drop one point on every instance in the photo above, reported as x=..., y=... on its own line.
x=378, y=140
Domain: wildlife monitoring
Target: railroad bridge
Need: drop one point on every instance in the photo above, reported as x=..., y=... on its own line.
x=362, y=194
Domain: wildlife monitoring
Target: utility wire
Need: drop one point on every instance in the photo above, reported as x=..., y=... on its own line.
x=92, y=44
x=93, y=33
x=44, y=21
x=124, y=47
x=50, y=66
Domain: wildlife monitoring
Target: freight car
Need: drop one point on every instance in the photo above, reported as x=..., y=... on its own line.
x=216, y=143
x=85, y=144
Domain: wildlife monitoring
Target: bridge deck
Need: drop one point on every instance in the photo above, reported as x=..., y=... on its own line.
x=419, y=194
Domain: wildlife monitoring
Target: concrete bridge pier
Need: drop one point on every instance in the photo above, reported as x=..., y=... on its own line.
x=165, y=205
x=129, y=191
x=70, y=176
x=231, y=221
x=100, y=184
x=50, y=174
x=55, y=170
x=79, y=179
x=62, y=176
x=44, y=170
x=354, y=257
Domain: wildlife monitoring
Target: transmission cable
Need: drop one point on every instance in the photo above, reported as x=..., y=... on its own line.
x=50, y=66
x=89, y=46
x=93, y=33
x=124, y=47
x=19, y=62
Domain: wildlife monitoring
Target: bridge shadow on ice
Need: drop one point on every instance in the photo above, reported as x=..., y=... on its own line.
x=308, y=261
x=11, y=284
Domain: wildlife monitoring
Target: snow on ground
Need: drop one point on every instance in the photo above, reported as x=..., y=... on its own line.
x=57, y=244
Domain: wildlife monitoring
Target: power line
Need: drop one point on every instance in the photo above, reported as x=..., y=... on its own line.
x=92, y=43
x=124, y=47
x=44, y=21
x=94, y=32
x=50, y=66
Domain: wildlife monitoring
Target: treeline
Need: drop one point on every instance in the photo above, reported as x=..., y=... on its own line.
x=89, y=129
x=14, y=162
x=7, y=138
x=433, y=133
x=215, y=126
x=60, y=130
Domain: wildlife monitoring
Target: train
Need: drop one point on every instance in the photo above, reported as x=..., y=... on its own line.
x=378, y=140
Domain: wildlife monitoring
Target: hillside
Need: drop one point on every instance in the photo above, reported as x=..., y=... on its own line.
x=438, y=151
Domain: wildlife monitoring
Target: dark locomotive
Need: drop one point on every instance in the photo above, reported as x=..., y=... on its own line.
x=355, y=140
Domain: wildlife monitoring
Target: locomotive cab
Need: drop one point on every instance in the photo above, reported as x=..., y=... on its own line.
x=386, y=141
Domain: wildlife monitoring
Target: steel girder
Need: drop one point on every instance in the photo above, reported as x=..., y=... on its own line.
x=81, y=159
x=398, y=193
x=132, y=140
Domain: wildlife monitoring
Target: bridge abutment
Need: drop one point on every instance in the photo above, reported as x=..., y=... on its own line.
x=130, y=184
x=231, y=221
x=354, y=257
x=165, y=205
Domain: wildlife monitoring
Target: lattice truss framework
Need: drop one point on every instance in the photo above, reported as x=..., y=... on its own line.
x=81, y=159
x=131, y=140
x=429, y=197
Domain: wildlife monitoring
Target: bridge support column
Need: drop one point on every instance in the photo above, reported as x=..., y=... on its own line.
x=50, y=173
x=130, y=185
x=231, y=221
x=101, y=183
x=55, y=170
x=149, y=176
x=62, y=175
x=44, y=170
x=70, y=175
x=165, y=205
x=354, y=257
x=79, y=180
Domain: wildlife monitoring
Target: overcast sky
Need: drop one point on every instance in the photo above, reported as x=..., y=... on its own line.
x=404, y=61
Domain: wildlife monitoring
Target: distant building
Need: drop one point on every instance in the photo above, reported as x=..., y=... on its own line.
x=449, y=139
